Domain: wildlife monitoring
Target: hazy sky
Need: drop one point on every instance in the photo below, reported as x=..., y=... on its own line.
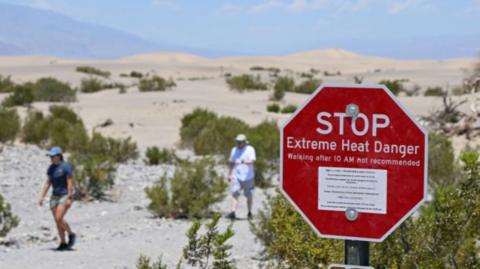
x=395, y=28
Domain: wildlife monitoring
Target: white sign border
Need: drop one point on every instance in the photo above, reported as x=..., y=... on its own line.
x=412, y=118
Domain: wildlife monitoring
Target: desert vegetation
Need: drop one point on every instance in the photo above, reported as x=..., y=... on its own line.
x=395, y=86
x=90, y=70
x=246, y=82
x=10, y=122
x=133, y=74
x=8, y=220
x=282, y=85
x=156, y=156
x=155, y=83
x=209, y=250
x=307, y=86
x=274, y=108
x=6, y=84
x=92, y=84
x=435, y=91
x=190, y=193
x=44, y=89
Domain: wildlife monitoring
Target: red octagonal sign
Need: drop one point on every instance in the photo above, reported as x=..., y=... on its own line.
x=354, y=162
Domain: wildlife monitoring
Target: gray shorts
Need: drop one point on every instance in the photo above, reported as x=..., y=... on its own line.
x=56, y=200
x=247, y=186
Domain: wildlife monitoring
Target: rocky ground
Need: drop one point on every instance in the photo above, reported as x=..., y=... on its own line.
x=112, y=234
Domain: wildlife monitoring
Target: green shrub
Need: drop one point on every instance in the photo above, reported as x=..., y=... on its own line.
x=52, y=90
x=275, y=108
x=66, y=135
x=282, y=85
x=118, y=150
x=93, y=175
x=193, y=123
x=289, y=109
x=289, y=241
x=308, y=86
x=275, y=70
x=90, y=85
x=65, y=113
x=328, y=74
x=444, y=233
x=265, y=137
x=135, y=74
x=246, y=82
x=206, y=133
x=63, y=127
x=211, y=243
x=22, y=95
x=44, y=89
x=93, y=71
x=35, y=129
x=201, y=248
x=216, y=137
x=395, y=86
x=442, y=168
x=257, y=68
x=195, y=186
x=155, y=156
x=6, y=84
x=435, y=91
x=95, y=164
x=8, y=220
x=306, y=75
x=115, y=85
x=143, y=262
x=261, y=68
x=155, y=83
x=10, y=124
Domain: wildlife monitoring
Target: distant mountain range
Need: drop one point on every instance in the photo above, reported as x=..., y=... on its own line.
x=30, y=31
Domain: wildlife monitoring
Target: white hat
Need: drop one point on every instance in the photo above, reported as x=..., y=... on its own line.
x=241, y=138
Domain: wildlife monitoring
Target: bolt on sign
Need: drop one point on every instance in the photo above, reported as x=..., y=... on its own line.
x=354, y=162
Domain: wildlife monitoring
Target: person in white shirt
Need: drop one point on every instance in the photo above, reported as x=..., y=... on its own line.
x=242, y=174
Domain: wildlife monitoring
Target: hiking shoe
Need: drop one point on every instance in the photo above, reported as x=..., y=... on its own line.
x=231, y=215
x=62, y=247
x=249, y=215
x=71, y=240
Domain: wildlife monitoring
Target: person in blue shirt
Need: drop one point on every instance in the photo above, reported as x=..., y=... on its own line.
x=59, y=177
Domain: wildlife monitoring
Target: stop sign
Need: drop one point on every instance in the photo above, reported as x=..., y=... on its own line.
x=354, y=162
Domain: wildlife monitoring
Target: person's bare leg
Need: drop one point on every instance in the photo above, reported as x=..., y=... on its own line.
x=67, y=227
x=65, y=223
x=57, y=216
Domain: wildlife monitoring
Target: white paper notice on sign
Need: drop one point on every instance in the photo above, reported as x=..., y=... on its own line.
x=340, y=188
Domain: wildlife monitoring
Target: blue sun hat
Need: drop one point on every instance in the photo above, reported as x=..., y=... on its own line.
x=54, y=151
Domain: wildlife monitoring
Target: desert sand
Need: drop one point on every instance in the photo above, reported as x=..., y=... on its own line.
x=113, y=234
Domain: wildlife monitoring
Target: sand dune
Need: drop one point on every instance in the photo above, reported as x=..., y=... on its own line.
x=154, y=118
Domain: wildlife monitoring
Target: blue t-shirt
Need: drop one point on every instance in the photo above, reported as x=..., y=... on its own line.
x=58, y=174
